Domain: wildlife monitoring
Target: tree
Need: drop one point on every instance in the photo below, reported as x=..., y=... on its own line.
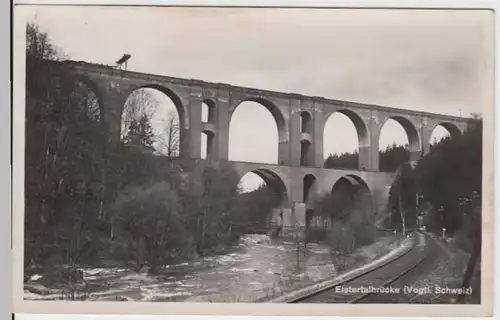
x=72, y=176
x=390, y=159
x=255, y=207
x=402, y=198
x=344, y=160
x=150, y=224
x=140, y=135
x=39, y=45
x=169, y=140
x=452, y=170
x=140, y=103
x=209, y=198
x=64, y=157
x=450, y=177
x=146, y=131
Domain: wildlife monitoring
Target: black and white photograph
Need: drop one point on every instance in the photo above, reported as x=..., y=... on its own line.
x=254, y=155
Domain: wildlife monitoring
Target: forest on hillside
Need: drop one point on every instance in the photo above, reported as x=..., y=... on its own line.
x=87, y=203
x=444, y=192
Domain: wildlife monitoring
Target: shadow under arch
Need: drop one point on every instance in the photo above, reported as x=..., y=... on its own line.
x=208, y=137
x=348, y=185
x=309, y=187
x=273, y=109
x=92, y=87
x=349, y=193
x=309, y=196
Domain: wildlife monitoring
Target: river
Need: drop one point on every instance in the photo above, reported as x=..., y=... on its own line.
x=256, y=267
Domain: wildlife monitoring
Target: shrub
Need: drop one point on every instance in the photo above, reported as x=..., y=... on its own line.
x=342, y=243
x=148, y=220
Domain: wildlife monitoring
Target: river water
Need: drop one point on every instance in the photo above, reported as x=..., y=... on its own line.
x=256, y=265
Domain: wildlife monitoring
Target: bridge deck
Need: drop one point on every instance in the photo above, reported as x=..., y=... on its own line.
x=86, y=67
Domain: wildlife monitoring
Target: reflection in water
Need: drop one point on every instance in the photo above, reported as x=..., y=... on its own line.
x=255, y=263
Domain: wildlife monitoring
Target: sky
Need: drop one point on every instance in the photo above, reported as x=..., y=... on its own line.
x=411, y=59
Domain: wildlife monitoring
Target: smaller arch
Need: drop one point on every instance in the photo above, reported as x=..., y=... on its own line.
x=305, y=152
x=207, y=139
x=305, y=122
x=208, y=111
x=309, y=182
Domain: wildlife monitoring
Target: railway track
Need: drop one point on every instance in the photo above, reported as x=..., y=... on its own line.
x=432, y=254
x=376, y=282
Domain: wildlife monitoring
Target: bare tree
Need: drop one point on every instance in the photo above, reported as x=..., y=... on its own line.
x=39, y=44
x=169, y=140
x=141, y=102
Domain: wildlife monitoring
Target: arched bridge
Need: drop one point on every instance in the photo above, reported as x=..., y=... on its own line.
x=300, y=120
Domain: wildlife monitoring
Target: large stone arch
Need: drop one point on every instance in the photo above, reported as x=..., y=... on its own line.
x=279, y=120
x=354, y=181
x=182, y=111
x=273, y=180
x=94, y=88
x=357, y=121
x=452, y=128
x=350, y=192
x=414, y=141
x=183, y=131
x=362, y=132
x=272, y=108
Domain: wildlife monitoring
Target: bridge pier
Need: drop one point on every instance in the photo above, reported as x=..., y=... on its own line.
x=291, y=220
x=222, y=130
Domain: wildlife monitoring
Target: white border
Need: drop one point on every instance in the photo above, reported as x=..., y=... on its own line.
x=244, y=309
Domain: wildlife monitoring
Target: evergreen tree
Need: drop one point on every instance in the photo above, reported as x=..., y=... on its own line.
x=146, y=131
x=344, y=160
x=140, y=134
x=402, y=198
x=390, y=159
x=133, y=134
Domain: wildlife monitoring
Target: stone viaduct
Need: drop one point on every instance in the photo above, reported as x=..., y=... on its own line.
x=300, y=120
